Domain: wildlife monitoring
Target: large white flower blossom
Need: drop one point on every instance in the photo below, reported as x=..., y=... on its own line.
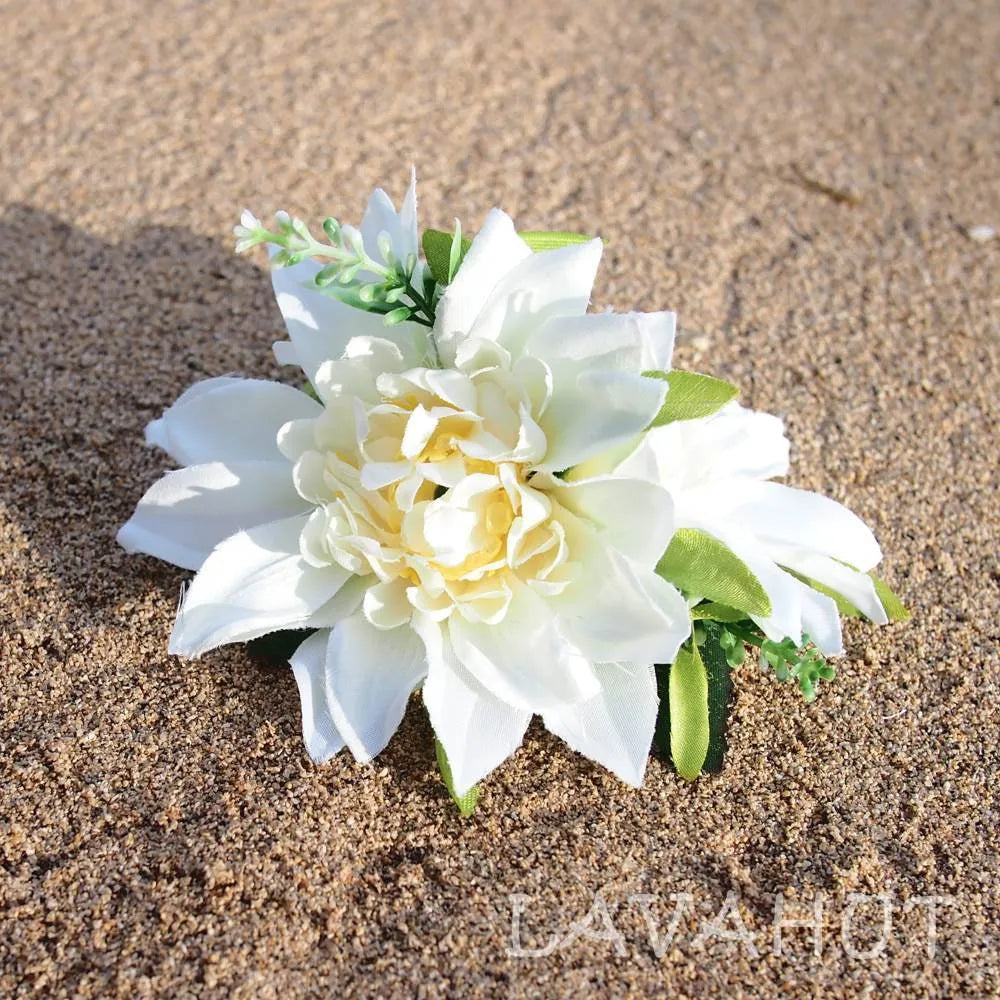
x=415, y=518
x=716, y=470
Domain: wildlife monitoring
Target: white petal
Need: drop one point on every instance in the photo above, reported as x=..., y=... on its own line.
x=478, y=730
x=633, y=516
x=658, y=331
x=187, y=513
x=381, y=217
x=783, y=590
x=857, y=587
x=255, y=582
x=545, y=285
x=523, y=660
x=370, y=674
x=743, y=444
x=595, y=413
x=321, y=326
x=319, y=733
x=572, y=343
x=385, y=604
x=821, y=621
x=614, y=728
x=783, y=516
x=615, y=610
x=343, y=604
x=229, y=420
x=495, y=250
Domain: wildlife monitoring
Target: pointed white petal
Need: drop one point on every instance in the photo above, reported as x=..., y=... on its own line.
x=545, y=285
x=229, y=420
x=743, y=444
x=370, y=674
x=477, y=729
x=569, y=344
x=615, y=727
x=615, y=610
x=255, y=582
x=319, y=733
x=381, y=217
x=857, y=587
x=409, y=230
x=821, y=621
x=783, y=590
x=523, y=660
x=795, y=608
x=187, y=513
x=787, y=517
x=643, y=533
x=495, y=250
x=596, y=412
x=658, y=330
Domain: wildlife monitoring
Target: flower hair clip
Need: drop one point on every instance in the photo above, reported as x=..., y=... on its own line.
x=488, y=494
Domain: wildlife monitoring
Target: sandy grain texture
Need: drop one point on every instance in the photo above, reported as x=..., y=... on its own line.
x=796, y=181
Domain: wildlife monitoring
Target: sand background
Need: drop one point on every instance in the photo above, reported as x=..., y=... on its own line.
x=162, y=831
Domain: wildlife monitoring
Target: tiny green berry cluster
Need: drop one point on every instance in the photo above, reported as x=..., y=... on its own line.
x=399, y=290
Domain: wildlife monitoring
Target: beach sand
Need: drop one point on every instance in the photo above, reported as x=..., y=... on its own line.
x=798, y=183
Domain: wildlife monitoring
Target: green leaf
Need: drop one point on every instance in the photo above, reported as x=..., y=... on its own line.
x=894, y=607
x=691, y=395
x=720, y=689
x=278, y=647
x=713, y=611
x=539, y=239
x=466, y=803
x=700, y=564
x=689, y=726
x=438, y=251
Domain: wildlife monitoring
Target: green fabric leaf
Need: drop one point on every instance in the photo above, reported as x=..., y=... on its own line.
x=466, y=803
x=539, y=239
x=713, y=611
x=700, y=564
x=278, y=647
x=720, y=688
x=438, y=254
x=894, y=607
x=691, y=395
x=689, y=726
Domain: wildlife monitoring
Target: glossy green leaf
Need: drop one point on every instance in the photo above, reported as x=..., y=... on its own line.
x=539, y=239
x=689, y=725
x=466, y=803
x=701, y=565
x=691, y=395
x=894, y=607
